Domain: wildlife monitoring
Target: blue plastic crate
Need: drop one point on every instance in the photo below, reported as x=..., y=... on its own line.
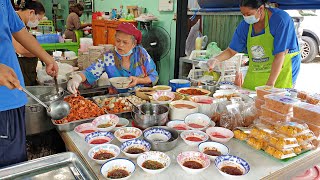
x=48, y=38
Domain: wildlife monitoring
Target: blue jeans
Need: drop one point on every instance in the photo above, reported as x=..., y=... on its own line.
x=12, y=136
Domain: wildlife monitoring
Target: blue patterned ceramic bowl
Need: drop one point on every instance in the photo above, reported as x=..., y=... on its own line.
x=136, y=144
x=229, y=160
x=97, y=138
x=157, y=135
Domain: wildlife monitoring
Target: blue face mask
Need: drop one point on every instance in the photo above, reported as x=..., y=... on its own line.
x=123, y=55
x=251, y=19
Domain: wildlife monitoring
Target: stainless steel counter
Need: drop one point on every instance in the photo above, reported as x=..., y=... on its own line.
x=262, y=165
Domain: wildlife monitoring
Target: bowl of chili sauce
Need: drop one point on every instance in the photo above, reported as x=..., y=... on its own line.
x=197, y=121
x=127, y=133
x=193, y=162
x=99, y=137
x=194, y=137
x=219, y=134
x=84, y=129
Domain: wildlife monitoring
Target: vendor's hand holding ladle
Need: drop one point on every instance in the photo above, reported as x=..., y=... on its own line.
x=57, y=110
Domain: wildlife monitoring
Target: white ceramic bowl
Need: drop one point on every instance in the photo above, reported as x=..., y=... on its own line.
x=158, y=94
x=123, y=122
x=110, y=148
x=106, y=137
x=120, y=82
x=136, y=143
x=178, y=125
x=193, y=156
x=110, y=119
x=229, y=160
x=179, y=112
x=84, y=129
x=219, y=134
x=197, y=119
x=157, y=134
x=162, y=88
x=223, y=149
x=118, y=163
x=207, y=105
x=185, y=135
x=131, y=131
x=154, y=156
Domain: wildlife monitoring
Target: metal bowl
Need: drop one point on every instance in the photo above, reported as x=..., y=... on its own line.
x=210, y=88
x=155, y=115
x=164, y=146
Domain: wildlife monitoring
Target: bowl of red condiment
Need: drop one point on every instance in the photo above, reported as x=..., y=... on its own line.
x=197, y=121
x=194, y=137
x=99, y=137
x=219, y=134
x=178, y=125
x=127, y=133
x=84, y=129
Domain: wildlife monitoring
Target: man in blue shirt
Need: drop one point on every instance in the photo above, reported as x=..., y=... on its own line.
x=12, y=99
x=268, y=36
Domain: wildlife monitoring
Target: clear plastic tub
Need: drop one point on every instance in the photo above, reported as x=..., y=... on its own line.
x=275, y=115
x=265, y=90
x=313, y=99
x=261, y=132
x=292, y=129
x=282, y=142
x=259, y=103
x=257, y=143
x=279, y=103
x=308, y=112
x=302, y=95
x=314, y=128
x=242, y=133
x=280, y=154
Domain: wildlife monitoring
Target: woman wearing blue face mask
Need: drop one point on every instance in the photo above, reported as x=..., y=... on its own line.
x=30, y=13
x=268, y=36
x=128, y=59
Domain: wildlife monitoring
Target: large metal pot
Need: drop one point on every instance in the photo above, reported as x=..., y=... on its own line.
x=155, y=115
x=61, y=83
x=37, y=120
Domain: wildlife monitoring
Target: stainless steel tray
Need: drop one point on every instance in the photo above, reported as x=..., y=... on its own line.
x=59, y=166
x=71, y=125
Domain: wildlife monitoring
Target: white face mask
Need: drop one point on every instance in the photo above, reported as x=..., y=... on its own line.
x=251, y=19
x=33, y=24
x=123, y=55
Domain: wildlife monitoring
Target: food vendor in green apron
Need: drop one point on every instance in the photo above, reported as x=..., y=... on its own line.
x=268, y=36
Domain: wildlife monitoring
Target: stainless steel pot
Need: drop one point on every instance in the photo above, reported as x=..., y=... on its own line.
x=211, y=88
x=61, y=83
x=155, y=115
x=37, y=120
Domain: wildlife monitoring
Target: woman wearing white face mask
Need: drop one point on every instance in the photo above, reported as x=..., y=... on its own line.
x=31, y=12
x=128, y=59
x=268, y=36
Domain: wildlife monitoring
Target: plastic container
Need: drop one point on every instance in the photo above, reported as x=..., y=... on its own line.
x=314, y=128
x=242, y=133
x=275, y=115
x=313, y=99
x=291, y=129
x=308, y=112
x=302, y=95
x=265, y=90
x=261, y=132
x=280, y=154
x=268, y=122
x=282, y=142
x=279, y=103
x=257, y=143
x=259, y=103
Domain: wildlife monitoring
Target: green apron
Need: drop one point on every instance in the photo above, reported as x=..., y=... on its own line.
x=260, y=49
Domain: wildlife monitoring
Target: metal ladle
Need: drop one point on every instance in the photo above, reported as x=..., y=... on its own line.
x=57, y=110
x=136, y=107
